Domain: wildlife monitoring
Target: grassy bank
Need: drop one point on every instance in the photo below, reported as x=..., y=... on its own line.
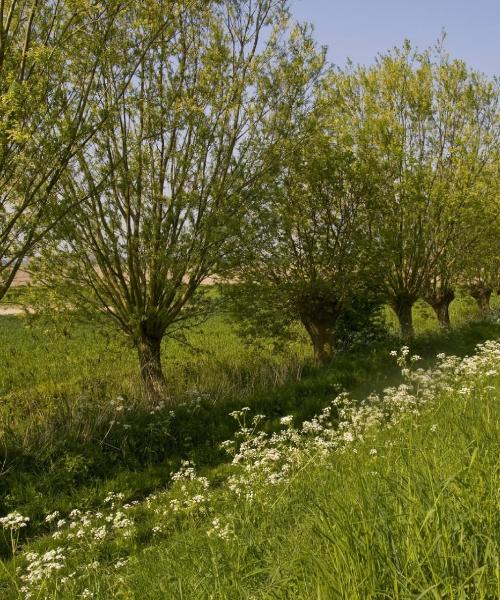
x=400, y=502
x=74, y=425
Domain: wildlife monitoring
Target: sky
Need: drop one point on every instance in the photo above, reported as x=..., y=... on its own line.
x=360, y=29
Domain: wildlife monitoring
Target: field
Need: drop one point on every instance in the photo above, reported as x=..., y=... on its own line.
x=412, y=509
x=249, y=303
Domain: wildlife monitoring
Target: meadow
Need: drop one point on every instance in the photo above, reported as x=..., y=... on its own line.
x=384, y=518
x=227, y=270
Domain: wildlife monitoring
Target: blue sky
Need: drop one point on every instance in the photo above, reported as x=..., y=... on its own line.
x=359, y=29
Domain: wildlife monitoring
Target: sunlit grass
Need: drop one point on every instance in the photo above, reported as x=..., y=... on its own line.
x=408, y=511
x=65, y=446
x=48, y=356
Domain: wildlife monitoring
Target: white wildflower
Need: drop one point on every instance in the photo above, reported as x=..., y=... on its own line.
x=13, y=521
x=52, y=516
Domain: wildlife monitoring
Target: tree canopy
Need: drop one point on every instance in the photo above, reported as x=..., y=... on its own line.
x=50, y=53
x=426, y=127
x=167, y=175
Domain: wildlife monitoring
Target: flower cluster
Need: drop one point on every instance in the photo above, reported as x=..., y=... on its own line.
x=192, y=490
x=41, y=566
x=78, y=531
x=14, y=521
x=262, y=460
x=224, y=532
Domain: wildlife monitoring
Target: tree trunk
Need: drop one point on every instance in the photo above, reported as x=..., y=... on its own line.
x=149, y=351
x=443, y=315
x=402, y=306
x=322, y=338
x=482, y=296
x=483, y=302
x=319, y=310
x=440, y=302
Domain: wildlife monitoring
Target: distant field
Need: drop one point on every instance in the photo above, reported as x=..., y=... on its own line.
x=21, y=278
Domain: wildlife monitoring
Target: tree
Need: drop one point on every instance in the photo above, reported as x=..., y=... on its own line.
x=49, y=57
x=471, y=259
x=468, y=182
x=439, y=293
x=427, y=126
x=168, y=174
x=480, y=274
x=310, y=257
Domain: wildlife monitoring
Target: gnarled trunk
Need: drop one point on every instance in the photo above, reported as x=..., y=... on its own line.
x=440, y=302
x=149, y=351
x=402, y=305
x=319, y=311
x=443, y=315
x=482, y=296
x=323, y=339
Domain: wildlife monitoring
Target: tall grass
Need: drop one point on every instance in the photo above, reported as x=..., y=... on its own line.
x=413, y=513
x=394, y=498
x=73, y=423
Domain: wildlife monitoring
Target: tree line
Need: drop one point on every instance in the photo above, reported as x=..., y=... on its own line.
x=146, y=147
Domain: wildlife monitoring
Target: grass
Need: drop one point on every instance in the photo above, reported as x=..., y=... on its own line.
x=419, y=520
x=52, y=356
x=48, y=355
x=65, y=443
x=74, y=425
x=408, y=511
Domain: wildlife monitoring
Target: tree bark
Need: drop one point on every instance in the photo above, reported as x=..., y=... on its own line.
x=322, y=338
x=440, y=302
x=482, y=296
x=319, y=310
x=149, y=351
x=443, y=315
x=402, y=306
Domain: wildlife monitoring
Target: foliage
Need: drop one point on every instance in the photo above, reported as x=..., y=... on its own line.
x=49, y=56
x=362, y=323
x=426, y=129
x=264, y=312
x=481, y=263
x=309, y=255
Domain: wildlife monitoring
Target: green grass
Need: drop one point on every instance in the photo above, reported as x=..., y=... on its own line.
x=417, y=519
x=420, y=520
x=47, y=355
x=53, y=356
x=63, y=443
